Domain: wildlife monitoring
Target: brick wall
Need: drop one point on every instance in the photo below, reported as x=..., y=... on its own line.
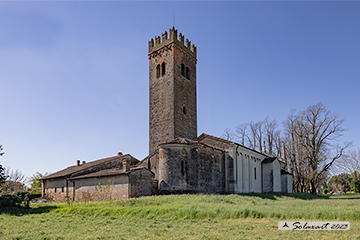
x=107, y=188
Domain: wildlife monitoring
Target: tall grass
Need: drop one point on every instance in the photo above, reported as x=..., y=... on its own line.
x=292, y=206
x=252, y=216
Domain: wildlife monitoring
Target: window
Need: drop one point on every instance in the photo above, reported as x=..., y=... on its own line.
x=182, y=70
x=255, y=173
x=158, y=71
x=182, y=168
x=62, y=189
x=55, y=189
x=163, y=69
x=187, y=73
x=184, y=109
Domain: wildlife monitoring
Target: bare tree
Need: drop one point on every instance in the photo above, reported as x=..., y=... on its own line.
x=256, y=135
x=349, y=163
x=14, y=180
x=228, y=134
x=270, y=128
x=242, y=133
x=15, y=175
x=313, y=134
x=278, y=143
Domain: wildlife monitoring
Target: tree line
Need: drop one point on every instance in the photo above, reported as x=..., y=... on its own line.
x=308, y=142
x=14, y=180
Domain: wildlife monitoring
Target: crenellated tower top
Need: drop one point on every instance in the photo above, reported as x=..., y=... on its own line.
x=164, y=40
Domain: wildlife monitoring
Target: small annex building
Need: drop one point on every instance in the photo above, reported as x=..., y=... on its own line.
x=179, y=160
x=109, y=178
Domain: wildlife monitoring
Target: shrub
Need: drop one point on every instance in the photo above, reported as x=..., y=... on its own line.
x=17, y=198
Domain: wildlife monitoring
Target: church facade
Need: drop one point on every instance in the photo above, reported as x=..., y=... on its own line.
x=179, y=161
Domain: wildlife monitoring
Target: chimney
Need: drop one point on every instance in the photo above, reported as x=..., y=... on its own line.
x=120, y=153
x=83, y=162
x=126, y=164
x=78, y=162
x=263, y=148
x=283, y=150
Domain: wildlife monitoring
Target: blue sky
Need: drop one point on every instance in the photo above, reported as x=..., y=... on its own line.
x=74, y=75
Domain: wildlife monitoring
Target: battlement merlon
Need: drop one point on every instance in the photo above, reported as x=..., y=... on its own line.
x=164, y=41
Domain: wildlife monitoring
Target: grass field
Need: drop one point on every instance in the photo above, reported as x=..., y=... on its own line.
x=254, y=216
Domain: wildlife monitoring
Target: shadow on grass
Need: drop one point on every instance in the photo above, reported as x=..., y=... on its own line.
x=19, y=210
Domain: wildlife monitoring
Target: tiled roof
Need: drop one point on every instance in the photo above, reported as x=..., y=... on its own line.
x=213, y=141
x=204, y=135
x=74, y=169
x=108, y=172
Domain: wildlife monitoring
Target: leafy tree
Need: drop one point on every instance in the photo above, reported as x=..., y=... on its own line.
x=1, y=151
x=35, y=182
x=354, y=177
x=2, y=175
x=2, y=170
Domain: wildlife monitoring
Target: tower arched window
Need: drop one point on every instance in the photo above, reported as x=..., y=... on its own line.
x=163, y=69
x=187, y=73
x=184, y=109
x=182, y=70
x=158, y=71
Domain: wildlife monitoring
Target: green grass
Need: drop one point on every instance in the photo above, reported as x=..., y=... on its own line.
x=252, y=216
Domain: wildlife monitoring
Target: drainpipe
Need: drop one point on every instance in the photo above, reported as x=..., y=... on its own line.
x=67, y=187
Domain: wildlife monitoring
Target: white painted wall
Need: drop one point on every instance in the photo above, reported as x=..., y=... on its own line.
x=246, y=162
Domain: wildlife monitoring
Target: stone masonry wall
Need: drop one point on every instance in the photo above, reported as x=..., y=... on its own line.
x=161, y=100
x=141, y=182
x=267, y=177
x=191, y=168
x=211, y=170
x=172, y=97
x=185, y=96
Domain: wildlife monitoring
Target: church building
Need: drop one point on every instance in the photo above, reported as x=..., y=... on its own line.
x=179, y=160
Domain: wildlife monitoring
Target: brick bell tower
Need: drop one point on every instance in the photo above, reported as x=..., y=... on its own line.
x=172, y=86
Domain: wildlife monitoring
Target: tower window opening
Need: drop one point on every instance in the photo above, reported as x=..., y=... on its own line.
x=184, y=109
x=158, y=71
x=187, y=73
x=255, y=173
x=182, y=70
x=163, y=69
x=182, y=168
